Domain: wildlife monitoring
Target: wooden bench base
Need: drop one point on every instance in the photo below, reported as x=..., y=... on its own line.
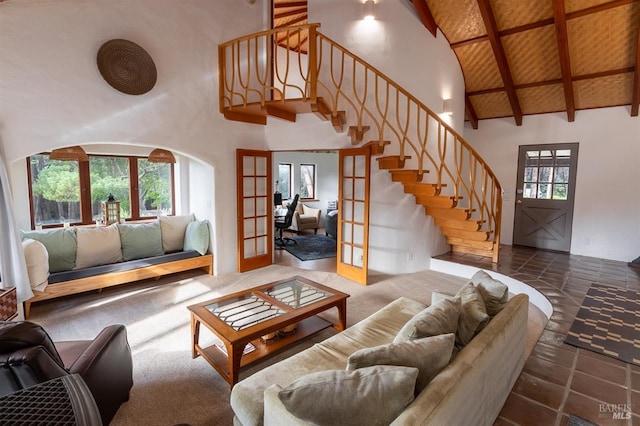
x=98, y=282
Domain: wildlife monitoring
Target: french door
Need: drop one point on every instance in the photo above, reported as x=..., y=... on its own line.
x=255, y=215
x=544, y=196
x=353, y=214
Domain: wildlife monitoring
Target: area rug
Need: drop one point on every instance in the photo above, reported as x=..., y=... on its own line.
x=312, y=247
x=608, y=323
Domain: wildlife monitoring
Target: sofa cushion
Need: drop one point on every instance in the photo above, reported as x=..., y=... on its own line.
x=173, y=229
x=197, y=236
x=98, y=245
x=429, y=355
x=140, y=240
x=494, y=293
x=368, y=396
x=37, y=260
x=60, y=244
x=440, y=318
x=473, y=314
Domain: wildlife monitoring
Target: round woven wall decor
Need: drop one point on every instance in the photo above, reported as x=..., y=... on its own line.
x=127, y=67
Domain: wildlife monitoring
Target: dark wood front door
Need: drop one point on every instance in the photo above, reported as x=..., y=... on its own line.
x=544, y=196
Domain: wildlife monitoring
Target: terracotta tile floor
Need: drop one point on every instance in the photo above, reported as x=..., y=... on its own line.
x=559, y=379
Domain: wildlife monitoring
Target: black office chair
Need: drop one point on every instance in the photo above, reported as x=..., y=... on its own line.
x=281, y=225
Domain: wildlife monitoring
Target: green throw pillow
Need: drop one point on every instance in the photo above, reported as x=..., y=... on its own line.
x=429, y=355
x=196, y=236
x=140, y=240
x=439, y=318
x=365, y=397
x=60, y=244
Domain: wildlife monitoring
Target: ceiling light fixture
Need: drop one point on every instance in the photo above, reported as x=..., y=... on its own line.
x=369, y=10
x=447, y=106
x=161, y=156
x=71, y=153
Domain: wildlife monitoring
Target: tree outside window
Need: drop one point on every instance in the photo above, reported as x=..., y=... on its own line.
x=307, y=181
x=69, y=191
x=284, y=180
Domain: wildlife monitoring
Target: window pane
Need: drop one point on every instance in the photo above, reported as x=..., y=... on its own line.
x=56, y=190
x=530, y=174
x=560, y=192
x=561, y=175
x=545, y=174
x=529, y=190
x=544, y=191
x=109, y=175
x=307, y=180
x=283, y=185
x=154, y=184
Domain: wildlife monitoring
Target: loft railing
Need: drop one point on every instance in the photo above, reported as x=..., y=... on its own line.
x=299, y=63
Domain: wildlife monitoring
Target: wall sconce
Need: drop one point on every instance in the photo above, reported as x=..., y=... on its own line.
x=447, y=106
x=369, y=10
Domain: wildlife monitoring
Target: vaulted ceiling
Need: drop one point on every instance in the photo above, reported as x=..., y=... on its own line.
x=522, y=57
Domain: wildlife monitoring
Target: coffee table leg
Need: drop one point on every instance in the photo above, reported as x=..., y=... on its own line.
x=342, y=316
x=195, y=335
x=235, y=355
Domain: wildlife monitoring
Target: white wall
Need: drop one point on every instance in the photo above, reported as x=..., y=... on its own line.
x=326, y=175
x=52, y=95
x=606, y=221
x=399, y=46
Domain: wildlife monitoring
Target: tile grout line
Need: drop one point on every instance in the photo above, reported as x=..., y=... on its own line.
x=567, y=388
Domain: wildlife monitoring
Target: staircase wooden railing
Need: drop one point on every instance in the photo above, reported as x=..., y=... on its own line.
x=277, y=68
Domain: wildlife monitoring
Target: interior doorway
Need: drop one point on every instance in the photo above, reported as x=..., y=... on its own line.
x=545, y=195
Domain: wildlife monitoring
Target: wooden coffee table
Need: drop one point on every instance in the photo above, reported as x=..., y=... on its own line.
x=248, y=317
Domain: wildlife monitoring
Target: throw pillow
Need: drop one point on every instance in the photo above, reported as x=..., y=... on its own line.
x=98, y=245
x=37, y=260
x=437, y=296
x=494, y=293
x=473, y=314
x=140, y=240
x=197, y=236
x=60, y=244
x=434, y=320
x=173, y=229
x=364, y=397
x=429, y=355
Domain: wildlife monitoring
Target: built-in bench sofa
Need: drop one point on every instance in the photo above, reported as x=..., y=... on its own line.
x=67, y=261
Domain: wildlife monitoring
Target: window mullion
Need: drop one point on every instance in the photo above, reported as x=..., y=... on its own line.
x=133, y=187
x=86, y=215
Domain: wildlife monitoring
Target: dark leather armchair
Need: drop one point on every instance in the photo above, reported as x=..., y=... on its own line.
x=28, y=357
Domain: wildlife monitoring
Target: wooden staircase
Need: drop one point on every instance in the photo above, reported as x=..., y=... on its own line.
x=446, y=176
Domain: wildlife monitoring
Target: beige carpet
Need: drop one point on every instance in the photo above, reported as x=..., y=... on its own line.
x=169, y=386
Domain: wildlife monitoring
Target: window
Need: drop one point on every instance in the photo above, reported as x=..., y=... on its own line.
x=283, y=184
x=546, y=174
x=68, y=191
x=307, y=181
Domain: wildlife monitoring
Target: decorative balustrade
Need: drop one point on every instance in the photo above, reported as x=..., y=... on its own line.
x=299, y=64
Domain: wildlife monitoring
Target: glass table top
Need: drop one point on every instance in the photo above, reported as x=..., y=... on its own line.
x=253, y=308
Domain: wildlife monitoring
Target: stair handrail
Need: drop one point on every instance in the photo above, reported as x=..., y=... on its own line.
x=451, y=160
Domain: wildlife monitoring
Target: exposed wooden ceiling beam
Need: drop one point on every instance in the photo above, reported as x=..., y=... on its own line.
x=501, y=58
x=290, y=13
x=425, y=15
x=545, y=22
x=565, y=62
x=291, y=4
x=635, y=96
x=471, y=112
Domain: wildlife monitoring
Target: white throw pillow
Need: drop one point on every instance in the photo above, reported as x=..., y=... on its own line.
x=98, y=245
x=173, y=229
x=37, y=259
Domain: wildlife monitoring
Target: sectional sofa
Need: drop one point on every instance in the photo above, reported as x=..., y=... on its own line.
x=66, y=261
x=403, y=365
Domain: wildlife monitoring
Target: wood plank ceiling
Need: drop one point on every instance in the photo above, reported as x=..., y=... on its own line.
x=523, y=57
